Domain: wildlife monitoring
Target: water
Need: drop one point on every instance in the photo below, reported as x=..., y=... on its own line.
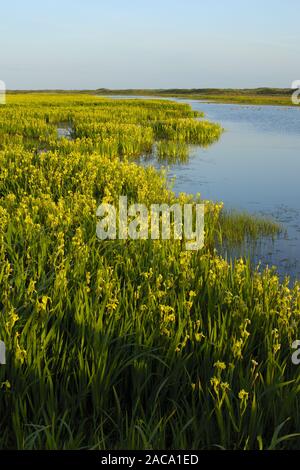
x=255, y=166
x=64, y=131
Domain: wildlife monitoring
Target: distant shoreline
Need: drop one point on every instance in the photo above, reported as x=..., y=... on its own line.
x=255, y=96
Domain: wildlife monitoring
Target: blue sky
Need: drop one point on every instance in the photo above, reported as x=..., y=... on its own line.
x=149, y=44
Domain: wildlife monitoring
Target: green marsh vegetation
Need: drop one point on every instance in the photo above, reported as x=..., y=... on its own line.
x=237, y=227
x=254, y=96
x=129, y=344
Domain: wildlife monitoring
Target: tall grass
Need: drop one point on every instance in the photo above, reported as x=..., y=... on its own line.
x=172, y=152
x=238, y=227
x=128, y=344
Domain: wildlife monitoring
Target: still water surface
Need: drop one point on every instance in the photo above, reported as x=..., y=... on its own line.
x=255, y=166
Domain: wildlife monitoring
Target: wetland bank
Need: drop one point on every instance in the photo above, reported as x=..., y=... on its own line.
x=132, y=344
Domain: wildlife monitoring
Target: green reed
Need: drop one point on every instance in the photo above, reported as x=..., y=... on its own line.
x=128, y=344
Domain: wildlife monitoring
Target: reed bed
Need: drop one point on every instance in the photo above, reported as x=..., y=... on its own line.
x=128, y=344
x=237, y=227
x=172, y=152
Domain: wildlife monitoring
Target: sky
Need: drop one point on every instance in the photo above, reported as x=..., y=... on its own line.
x=88, y=44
